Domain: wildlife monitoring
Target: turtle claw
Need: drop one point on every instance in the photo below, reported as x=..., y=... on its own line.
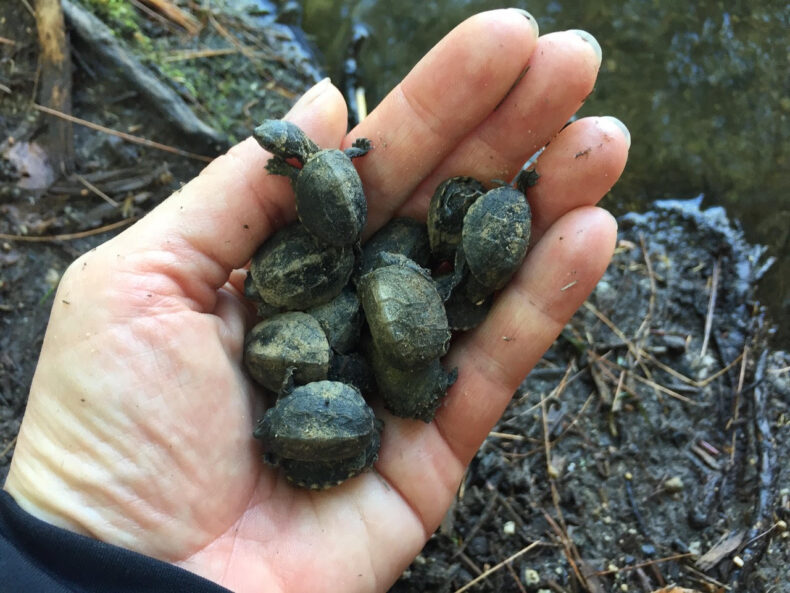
x=360, y=147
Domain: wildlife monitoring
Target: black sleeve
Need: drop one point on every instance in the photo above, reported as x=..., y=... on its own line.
x=38, y=557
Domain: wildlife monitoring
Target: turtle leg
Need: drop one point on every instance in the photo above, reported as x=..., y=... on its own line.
x=360, y=147
x=279, y=166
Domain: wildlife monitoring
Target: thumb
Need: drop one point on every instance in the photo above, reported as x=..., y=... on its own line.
x=213, y=225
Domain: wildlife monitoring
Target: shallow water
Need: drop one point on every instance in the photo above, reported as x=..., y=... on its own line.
x=703, y=87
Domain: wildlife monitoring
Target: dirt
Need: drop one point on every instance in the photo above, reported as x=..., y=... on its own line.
x=644, y=450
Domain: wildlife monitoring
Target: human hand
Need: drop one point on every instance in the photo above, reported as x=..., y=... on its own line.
x=138, y=427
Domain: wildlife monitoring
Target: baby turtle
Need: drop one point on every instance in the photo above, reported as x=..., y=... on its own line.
x=413, y=393
x=341, y=320
x=405, y=313
x=287, y=343
x=329, y=198
x=446, y=212
x=400, y=235
x=294, y=270
x=495, y=238
x=320, y=434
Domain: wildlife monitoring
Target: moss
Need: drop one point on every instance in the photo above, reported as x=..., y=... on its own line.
x=123, y=19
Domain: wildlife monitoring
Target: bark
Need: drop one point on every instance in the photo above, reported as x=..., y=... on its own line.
x=55, y=83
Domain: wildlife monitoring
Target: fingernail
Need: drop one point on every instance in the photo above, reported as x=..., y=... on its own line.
x=530, y=18
x=591, y=40
x=314, y=92
x=622, y=127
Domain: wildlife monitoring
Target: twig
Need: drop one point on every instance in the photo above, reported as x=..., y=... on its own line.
x=651, y=383
x=711, y=306
x=96, y=190
x=515, y=578
x=470, y=563
x=29, y=8
x=705, y=578
x=602, y=573
x=506, y=436
x=68, y=236
x=652, y=278
x=487, y=510
x=194, y=54
x=124, y=135
x=496, y=567
x=7, y=41
x=176, y=15
x=8, y=447
x=629, y=490
x=736, y=404
x=765, y=450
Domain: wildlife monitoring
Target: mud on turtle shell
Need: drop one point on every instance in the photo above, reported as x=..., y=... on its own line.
x=330, y=200
x=320, y=434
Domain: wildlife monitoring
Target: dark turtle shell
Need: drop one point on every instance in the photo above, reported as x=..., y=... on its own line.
x=286, y=341
x=405, y=313
x=330, y=201
x=446, y=212
x=413, y=393
x=341, y=320
x=495, y=237
x=320, y=475
x=352, y=368
x=329, y=198
x=294, y=270
x=320, y=434
x=405, y=236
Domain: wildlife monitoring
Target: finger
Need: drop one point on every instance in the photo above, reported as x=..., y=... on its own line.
x=559, y=273
x=577, y=169
x=560, y=75
x=215, y=223
x=425, y=462
x=447, y=94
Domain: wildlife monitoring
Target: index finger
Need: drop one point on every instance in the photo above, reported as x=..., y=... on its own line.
x=456, y=86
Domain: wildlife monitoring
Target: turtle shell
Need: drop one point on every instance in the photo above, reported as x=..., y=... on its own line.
x=405, y=313
x=320, y=434
x=446, y=212
x=413, y=393
x=341, y=320
x=352, y=368
x=404, y=236
x=286, y=341
x=320, y=475
x=495, y=237
x=330, y=201
x=294, y=270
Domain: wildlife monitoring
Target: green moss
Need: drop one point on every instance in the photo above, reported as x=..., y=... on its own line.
x=123, y=19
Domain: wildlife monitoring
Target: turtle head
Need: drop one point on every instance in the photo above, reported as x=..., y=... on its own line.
x=285, y=140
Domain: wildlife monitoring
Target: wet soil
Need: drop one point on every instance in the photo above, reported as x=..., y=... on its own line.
x=647, y=447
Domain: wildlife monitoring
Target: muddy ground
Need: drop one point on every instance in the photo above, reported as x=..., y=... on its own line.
x=645, y=450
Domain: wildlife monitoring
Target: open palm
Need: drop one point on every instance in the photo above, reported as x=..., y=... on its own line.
x=138, y=427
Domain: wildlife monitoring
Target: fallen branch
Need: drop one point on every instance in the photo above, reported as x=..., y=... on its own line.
x=54, y=90
x=764, y=444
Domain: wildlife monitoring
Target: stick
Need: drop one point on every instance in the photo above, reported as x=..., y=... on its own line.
x=124, y=135
x=69, y=236
x=496, y=567
x=55, y=88
x=711, y=306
